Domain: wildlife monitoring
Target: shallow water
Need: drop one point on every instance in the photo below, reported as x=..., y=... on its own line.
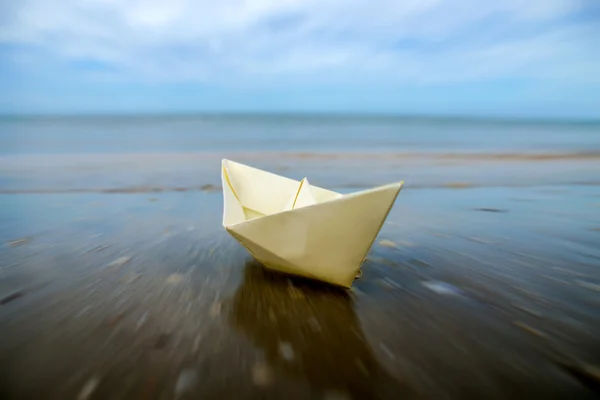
x=144, y=296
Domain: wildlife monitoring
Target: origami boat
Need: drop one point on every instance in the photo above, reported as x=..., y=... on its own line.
x=296, y=228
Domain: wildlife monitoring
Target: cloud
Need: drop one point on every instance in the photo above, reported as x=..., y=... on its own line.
x=259, y=42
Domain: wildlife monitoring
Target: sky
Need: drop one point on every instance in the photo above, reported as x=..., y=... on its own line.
x=449, y=57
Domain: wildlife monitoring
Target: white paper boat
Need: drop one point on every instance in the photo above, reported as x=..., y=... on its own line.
x=299, y=229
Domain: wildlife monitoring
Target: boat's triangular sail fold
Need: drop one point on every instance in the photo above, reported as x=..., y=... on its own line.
x=260, y=193
x=302, y=198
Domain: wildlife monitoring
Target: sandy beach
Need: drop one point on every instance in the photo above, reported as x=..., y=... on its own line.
x=473, y=291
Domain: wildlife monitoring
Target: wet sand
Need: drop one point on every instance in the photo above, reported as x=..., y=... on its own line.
x=482, y=292
x=160, y=172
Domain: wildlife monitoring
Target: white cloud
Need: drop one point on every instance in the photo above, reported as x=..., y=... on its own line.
x=262, y=41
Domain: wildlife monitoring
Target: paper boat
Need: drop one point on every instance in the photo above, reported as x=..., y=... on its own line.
x=296, y=228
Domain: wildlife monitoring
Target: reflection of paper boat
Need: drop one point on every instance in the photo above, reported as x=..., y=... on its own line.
x=296, y=228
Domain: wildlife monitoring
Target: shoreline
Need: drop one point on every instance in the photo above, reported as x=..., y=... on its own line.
x=218, y=188
x=197, y=171
x=482, y=155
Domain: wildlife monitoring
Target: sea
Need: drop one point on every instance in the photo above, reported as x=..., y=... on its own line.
x=144, y=153
x=305, y=133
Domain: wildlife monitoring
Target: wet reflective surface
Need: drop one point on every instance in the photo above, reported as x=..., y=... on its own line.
x=467, y=293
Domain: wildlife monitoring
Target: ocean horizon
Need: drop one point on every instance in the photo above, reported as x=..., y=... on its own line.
x=506, y=118
x=201, y=132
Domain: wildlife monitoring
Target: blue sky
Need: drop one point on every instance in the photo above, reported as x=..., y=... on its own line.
x=511, y=57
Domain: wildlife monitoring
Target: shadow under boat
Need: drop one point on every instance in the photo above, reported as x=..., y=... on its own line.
x=317, y=326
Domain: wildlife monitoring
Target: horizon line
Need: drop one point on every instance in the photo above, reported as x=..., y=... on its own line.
x=304, y=114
